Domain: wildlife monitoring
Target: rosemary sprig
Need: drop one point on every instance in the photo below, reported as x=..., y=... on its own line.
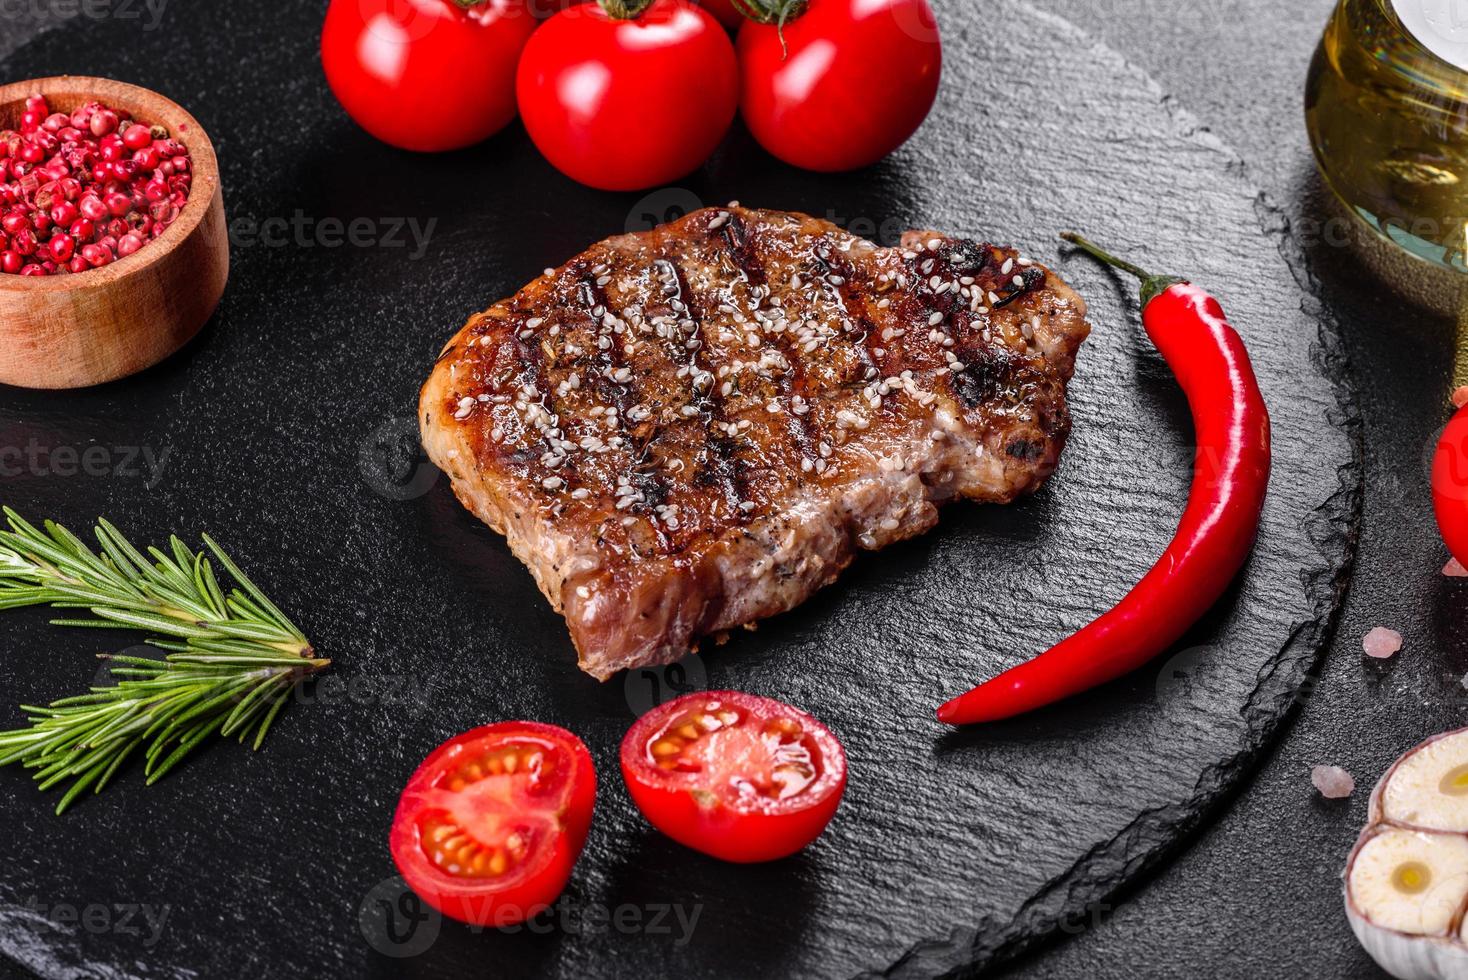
x=231, y=659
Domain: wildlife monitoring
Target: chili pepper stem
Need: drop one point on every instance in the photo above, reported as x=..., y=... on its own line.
x=1152, y=286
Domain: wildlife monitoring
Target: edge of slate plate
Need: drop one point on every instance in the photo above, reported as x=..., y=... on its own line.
x=1111, y=868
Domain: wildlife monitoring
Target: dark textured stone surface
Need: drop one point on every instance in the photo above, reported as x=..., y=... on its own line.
x=1259, y=893
x=952, y=850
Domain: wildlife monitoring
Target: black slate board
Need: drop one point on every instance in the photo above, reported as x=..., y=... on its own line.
x=288, y=429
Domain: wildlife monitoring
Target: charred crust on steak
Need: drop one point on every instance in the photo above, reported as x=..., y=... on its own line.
x=1025, y=449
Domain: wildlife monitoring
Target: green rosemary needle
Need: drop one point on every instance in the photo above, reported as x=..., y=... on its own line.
x=229, y=666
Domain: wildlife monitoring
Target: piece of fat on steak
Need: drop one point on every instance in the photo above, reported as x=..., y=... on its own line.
x=688, y=429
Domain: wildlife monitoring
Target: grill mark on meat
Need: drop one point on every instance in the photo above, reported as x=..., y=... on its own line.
x=791, y=383
x=873, y=367
x=742, y=250
x=1031, y=277
x=987, y=370
x=825, y=255
x=720, y=466
x=540, y=351
x=610, y=359
x=866, y=343
x=959, y=327
x=944, y=304
x=862, y=348
x=742, y=245
x=652, y=489
x=856, y=330
x=961, y=383
x=534, y=372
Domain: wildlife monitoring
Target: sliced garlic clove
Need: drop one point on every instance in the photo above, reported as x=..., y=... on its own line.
x=1409, y=958
x=1427, y=787
x=1407, y=879
x=1405, y=891
x=1410, y=882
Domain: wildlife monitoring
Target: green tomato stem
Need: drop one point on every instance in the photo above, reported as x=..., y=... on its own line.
x=777, y=12
x=625, y=9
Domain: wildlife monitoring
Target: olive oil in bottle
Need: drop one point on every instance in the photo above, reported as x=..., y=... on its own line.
x=1387, y=109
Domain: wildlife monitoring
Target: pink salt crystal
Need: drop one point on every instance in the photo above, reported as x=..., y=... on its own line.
x=1455, y=569
x=1333, y=782
x=1460, y=397
x=1381, y=643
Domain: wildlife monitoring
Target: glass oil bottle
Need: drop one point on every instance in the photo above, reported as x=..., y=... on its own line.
x=1387, y=110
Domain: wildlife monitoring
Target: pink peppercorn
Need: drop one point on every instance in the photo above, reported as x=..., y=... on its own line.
x=92, y=207
x=81, y=188
x=61, y=247
x=137, y=136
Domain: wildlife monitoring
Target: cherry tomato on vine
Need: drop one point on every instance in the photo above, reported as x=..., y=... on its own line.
x=426, y=75
x=624, y=103
x=1450, y=485
x=490, y=825
x=859, y=78
x=736, y=776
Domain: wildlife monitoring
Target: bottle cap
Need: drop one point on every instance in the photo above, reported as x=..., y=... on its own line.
x=1441, y=26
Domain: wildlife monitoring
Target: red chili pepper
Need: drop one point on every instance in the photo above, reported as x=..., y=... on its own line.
x=1217, y=530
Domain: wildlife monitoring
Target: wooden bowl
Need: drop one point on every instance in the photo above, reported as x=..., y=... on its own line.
x=82, y=329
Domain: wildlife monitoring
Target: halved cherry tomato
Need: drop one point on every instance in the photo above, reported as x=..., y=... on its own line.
x=847, y=84
x=736, y=776
x=623, y=105
x=1450, y=485
x=490, y=825
x=426, y=75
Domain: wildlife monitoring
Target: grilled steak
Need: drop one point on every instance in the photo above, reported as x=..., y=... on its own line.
x=685, y=430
